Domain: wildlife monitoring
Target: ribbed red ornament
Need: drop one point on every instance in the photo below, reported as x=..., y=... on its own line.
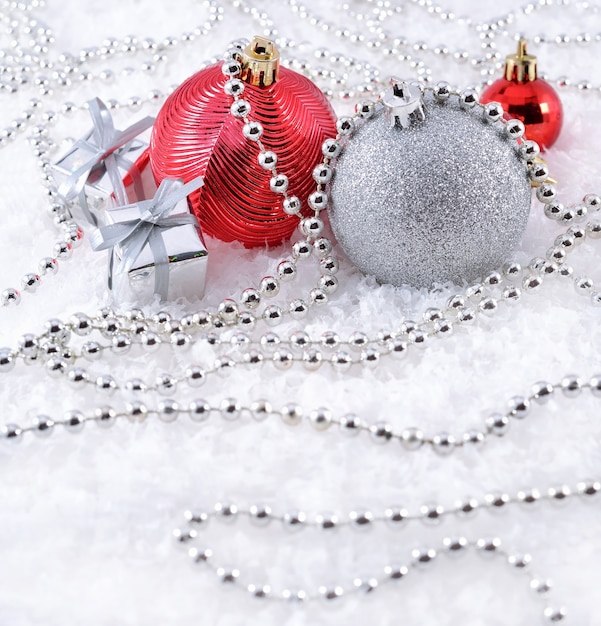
x=196, y=135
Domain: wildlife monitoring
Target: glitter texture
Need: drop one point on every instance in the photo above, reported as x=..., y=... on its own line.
x=445, y=199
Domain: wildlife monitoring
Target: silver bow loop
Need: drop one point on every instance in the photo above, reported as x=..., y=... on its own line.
x=134, y=234
x=105, y=144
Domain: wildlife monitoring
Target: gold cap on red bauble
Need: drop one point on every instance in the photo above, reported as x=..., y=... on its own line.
x=260, y=62
x=521, y=66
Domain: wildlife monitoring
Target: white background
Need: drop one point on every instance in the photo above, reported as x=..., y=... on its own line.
x=86, y=520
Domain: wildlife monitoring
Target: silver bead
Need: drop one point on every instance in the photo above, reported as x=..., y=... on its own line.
x=278, y=183
x=395, y=572
x=269, y=286
x=10, y=296
x=365, y=585
x=528, y=496
x=553, y=614
x=240, y=108
x=42, y=426
x=330, y=594
x=56, y=366
x=497, y=501
x=105, y=416
x=260, y=410
x=195, y=376
x=341, y=361
x=559, y=494
x=498, y=424
x=291, y=414
x=519, y=561
x=228, y=575
x=468, y=98
x=515, y=128
x=8, y=358
x=431, y=513
x=542, y=392
x=365, y=109
x=381, y=432
x=571, y=386
x=252, y=131
x=291, y=205
x=200, y=555
x=546, y=193
x=286, y=270
x=396, y=516
x=541, y=585
x=588, y=487
x=180, y=340
x=260, y=592
x=150, y=341
x=80, y=324
x=442, y=90
x=77, y=376
x=474, y=438
x=136, y=411
x=443, y=443
x=298, y=309
x=267, y=160
x=326, y=521
x=226, y=512
x=228, y=310
x=345, y=126
x=273, y=315
x=294, y=520
x=165, y=384
x=322, y=174
x=321, y=418
x=233, y=87
x=297, y=596
x=168, y=410
x=230, y=409
x=331, y=148
x=30, y=281
x=260, y=515
x=412, y=438
x=350, y=424
x=198, y=518
x=312, y=226
x=361, y=519
x=199, y=410
x=11, y=432
x=488, y=546
x=73, y=421
x=519, y=407
x=184, y=535
x=467, y=507
x=318, y=200
x=455, y=546
x=493, y=111
x=120, y=343
x=529, y=150
x=422, y=557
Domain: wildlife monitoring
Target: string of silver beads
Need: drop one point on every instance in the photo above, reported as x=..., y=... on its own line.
x=497, y=424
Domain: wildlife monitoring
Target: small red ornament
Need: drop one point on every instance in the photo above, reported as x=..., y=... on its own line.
x=526, y=97
x=195, y=134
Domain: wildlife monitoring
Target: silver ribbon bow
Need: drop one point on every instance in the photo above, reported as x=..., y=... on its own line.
x=132, y=235
x=108, y=146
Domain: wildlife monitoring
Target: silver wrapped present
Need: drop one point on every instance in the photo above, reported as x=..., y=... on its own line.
x=92, y=170
x=156, y=246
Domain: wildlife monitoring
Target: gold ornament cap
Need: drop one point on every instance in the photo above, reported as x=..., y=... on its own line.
x=521, y=67
x=260, y=62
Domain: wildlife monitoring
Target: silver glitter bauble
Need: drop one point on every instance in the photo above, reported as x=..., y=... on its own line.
x=445, y=198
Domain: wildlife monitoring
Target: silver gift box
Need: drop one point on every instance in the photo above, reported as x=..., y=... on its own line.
x=188, y=257
x=99, y=190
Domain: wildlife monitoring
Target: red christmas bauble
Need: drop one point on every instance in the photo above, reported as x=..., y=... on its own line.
x=195, y=134
x=528, y=98
x=535, y=103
